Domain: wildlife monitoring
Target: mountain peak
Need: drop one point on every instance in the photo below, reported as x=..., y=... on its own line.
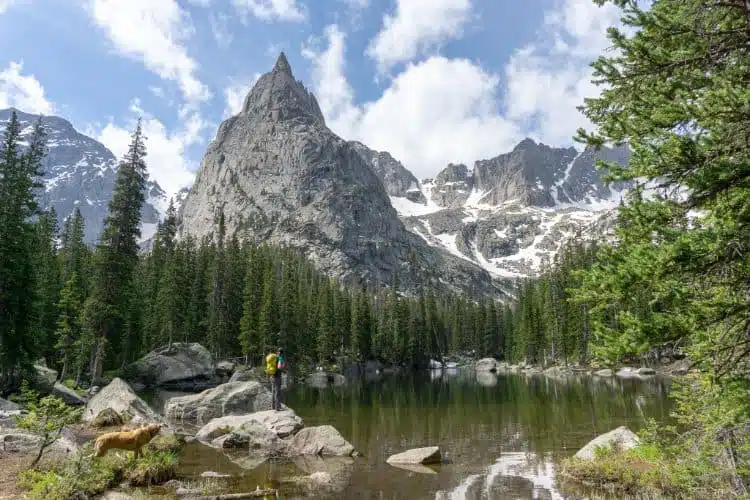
x=278, y=96
x=282, y=65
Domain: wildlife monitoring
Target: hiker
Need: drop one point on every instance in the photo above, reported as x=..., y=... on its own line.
x=275, y=364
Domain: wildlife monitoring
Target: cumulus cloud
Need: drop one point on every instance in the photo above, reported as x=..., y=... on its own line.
x=442, y=110
x=416, y=27
x=167, y=159
x=220, y=28
x=153, y=32
x=5, y=5
x=434, y=112
x=271, y=10
x=22, y=91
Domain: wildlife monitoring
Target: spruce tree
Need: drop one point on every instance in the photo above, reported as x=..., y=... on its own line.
x=19, y=174
x=107, y=314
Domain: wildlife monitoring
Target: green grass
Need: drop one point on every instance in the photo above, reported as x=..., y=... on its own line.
x=86, y=476
x=644, y=472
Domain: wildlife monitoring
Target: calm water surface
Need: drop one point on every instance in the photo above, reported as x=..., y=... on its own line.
x=501, y=435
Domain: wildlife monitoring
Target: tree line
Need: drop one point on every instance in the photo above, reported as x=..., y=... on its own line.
x=87, y=310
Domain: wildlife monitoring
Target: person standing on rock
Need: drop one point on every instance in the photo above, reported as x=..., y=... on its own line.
x=275, y=364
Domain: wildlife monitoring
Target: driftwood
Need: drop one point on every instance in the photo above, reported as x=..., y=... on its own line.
x=238, y=496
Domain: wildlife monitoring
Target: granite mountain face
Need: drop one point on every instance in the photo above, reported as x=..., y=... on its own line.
x=279, y=175
x=511, y=213
x=79, y=171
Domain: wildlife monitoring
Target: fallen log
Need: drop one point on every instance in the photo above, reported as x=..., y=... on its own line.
x=238, y=496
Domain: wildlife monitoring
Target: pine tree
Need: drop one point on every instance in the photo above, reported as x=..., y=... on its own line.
x=18, y=180
x=107, y=313
x=47, y=269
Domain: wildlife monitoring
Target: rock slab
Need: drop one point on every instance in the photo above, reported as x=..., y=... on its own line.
x=232, y=398
x=622, y=437
x=178, y=366
x=323, y=440
x=118, y=396
x=424, y=456
x=486, y=365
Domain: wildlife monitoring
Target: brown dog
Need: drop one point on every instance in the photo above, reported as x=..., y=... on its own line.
x=126, y=440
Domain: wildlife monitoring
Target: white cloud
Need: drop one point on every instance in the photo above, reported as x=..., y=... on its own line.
x=549, y=78
x=5, y=5
x=437, y=111
x=22, y=91
x=235, y=93
x=220, y=28
x=442, y=110
x=166, y=160
x=271, y=10
x=357, y=4
x=154, y=32
x=416, y=27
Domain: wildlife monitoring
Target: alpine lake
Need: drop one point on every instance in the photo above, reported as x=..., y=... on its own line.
x=501, y=436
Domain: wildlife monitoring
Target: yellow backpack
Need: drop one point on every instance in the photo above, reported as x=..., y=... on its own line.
x=271, y=364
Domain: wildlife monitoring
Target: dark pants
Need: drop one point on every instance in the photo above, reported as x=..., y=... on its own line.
x=276, y=391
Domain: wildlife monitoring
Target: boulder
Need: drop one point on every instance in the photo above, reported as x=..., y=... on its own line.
x=118, y=396
x=326, y=475
x=323, y=440
x=248, y=374
x=6, y=405
x=622, y=437
x=324, y=379
x=424, y=456
x=8, y=417
x=606, y=372
x=279, y=423
x=107, y=418
x=225, y=368
x=183, y=366
x=67, y=394
x=646, y=371
x=486, y=365
x=232, y=398
x=212, y=474
x=45, y=379
x=24, y=442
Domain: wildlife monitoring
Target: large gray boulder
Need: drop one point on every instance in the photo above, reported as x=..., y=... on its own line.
x=24, y=442
x=118, y=396
x=280, y=423
x=622, y=437
x=45, y=379
x=323, y=440
x=232, y=398
x=183, y=366
x=425, y=456
x=253, y=436
x=68, y=395
x=6, y=405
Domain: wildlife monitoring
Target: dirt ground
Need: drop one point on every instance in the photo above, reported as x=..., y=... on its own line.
x=11, y=464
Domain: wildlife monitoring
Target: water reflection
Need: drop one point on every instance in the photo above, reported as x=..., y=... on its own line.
x=502, y=434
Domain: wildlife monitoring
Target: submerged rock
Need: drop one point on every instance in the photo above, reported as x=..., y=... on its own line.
x=487, y=379
x=118, y=396
x=604, y=373
x=183, y=366
x=424, y=456
x=323, y=440
x=232, y=398
x=324, y=379
x=487, y=365
x=622, y=437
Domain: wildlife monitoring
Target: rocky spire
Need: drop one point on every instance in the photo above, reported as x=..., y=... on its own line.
x=278, y=96
x=282, y=65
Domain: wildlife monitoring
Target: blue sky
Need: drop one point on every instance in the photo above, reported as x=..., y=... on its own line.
x=431, y=81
